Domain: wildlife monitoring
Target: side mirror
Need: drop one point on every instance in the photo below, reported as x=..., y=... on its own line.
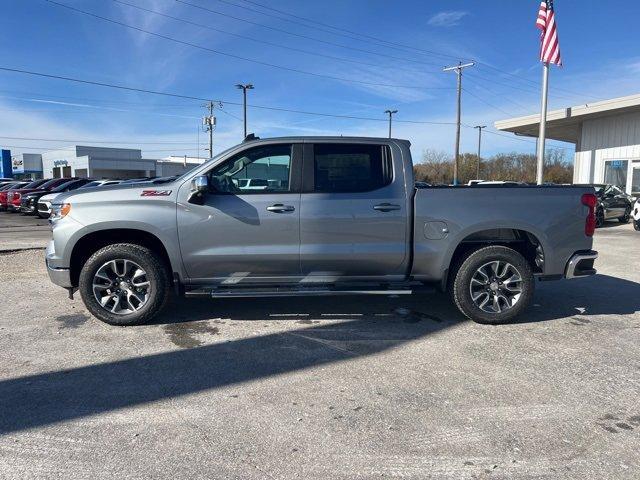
x=199, y=188
x=200, y=184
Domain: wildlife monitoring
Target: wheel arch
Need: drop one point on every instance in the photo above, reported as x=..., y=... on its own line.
x=528, y=244
x=90, y=243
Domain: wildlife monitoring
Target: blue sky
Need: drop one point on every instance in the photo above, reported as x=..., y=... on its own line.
x=599, y=47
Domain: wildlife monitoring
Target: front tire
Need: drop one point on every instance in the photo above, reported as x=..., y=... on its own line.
x=599, y=217
x=626, y=217
x=124, y=284
x=493, y=285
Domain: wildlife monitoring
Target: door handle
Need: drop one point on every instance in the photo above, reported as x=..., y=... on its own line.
x=386, y=207
x=280, y=208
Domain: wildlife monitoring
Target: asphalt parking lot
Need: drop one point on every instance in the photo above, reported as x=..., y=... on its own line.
x=316, y=389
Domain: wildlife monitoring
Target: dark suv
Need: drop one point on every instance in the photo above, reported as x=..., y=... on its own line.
x=29, y=201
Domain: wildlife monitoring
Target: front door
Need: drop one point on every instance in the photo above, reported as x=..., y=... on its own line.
x=353, y=218
x=247, y=229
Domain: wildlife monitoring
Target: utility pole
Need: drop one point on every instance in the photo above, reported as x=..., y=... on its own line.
x=209, y=123
x=479, y=127
x=458, y=69
x=390, y=113
x=244, y=87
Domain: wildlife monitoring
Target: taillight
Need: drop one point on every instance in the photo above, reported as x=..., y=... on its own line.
x=590, y=200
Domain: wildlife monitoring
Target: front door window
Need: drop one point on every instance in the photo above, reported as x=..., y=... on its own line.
x=258, y=170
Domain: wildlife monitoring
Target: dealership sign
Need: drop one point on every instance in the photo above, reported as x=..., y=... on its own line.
x=17, y=164
x=60, y=163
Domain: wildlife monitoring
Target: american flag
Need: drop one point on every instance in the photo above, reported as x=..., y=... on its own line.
x=550, y=45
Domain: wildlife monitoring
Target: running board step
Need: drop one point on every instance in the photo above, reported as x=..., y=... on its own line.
x=287, y=292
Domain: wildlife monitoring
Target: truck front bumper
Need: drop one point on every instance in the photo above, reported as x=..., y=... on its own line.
x=581, y=264
x=58, y=275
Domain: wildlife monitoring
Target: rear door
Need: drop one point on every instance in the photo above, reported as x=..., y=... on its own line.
x=353, y=212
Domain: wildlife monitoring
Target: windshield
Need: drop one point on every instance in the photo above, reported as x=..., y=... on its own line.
x=213, y=159
x=36, y=184
x=62, y=187
x=91, y=184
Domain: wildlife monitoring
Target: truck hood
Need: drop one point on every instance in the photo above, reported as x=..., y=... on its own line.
x=119, y=192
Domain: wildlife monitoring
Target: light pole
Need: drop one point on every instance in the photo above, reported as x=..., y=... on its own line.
x=390, y=113
x=479, y=127
x=244, y=88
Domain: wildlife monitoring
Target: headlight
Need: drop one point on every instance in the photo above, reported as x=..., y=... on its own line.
x=59, y=211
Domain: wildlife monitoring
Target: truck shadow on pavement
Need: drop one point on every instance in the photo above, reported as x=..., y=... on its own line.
x=584, y=297
x=44, y=399
x=366, y=327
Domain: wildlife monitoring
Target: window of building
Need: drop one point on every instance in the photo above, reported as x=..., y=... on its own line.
x=351, y=167
x=258, y=170
x=635, y=180
x=615, y=172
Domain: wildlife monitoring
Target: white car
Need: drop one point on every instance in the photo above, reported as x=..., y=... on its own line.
x=44, y=204
x=635, y=213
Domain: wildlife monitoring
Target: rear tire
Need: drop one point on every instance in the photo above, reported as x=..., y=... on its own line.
x=504, y=294
x=138, y=258
x=636, y=225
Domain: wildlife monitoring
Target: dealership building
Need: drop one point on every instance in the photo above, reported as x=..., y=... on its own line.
x=105, y=162
x=606, y=135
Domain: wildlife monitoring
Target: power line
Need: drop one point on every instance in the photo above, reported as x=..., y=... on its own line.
x=486, y=103
x=245, y=37
x=237, y=57
x=29, y=147
x=533, y=82
x=501, y=95
x=135, y=142
x=166, y=94
x=385, y=43
x=307, y=37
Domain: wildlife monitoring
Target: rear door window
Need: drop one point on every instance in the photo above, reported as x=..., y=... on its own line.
x=343, y=167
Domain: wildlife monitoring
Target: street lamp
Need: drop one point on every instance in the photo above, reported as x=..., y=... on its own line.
x=244, y=88
x=390, y=113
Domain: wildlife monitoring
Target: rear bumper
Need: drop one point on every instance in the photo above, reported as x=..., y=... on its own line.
x=581, y=264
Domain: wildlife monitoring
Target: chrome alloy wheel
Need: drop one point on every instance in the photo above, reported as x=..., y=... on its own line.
x=496, y=287
x=121, y=286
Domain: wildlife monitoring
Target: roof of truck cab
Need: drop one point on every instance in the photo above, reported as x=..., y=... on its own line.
x=328, y=138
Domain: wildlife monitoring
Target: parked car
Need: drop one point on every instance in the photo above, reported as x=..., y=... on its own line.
x=341, y=227
x=5, y=188
x=636, y=214
x=18, y=186
x=29, y=201
x=613, y=204
x=44, y=203
x=14, y=197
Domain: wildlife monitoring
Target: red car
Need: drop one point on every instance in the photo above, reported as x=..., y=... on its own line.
x=4, y=190
x=14, y=196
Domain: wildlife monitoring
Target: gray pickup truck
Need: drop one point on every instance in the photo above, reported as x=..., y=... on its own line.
x=319, y=216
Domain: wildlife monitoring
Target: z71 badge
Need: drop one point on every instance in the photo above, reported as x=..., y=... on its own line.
x=155, y=193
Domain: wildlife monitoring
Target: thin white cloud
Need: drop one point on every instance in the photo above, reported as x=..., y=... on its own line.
x=449, y=18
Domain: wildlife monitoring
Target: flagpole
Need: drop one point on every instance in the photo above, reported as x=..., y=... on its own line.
x=543, y=123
